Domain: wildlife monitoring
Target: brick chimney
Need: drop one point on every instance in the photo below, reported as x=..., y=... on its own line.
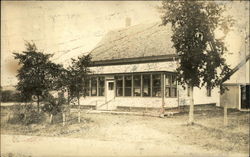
x=128, y=22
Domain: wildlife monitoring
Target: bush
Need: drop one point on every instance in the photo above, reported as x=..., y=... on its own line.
x=12, y=96
x=26, y=114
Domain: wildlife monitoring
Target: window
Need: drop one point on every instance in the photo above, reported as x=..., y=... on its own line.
x=87, y=87
x=146, y=85
x=111, y=85
x=128, y=85
x=93, y=86
x=168, y=85
x=208, y=91
x=156, y=89
x=137, y=85
x=119, y=86
x=174, y=86
x=101, y=83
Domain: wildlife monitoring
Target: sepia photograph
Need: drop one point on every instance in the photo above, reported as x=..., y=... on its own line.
x=125, y=78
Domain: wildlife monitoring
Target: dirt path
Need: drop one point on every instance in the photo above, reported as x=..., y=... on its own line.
x=58, y=146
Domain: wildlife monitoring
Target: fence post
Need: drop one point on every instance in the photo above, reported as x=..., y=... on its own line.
x=225, y=116
x=63, y=118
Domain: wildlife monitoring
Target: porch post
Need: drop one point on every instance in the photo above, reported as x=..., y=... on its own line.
x=151, y=85
x=123, y=85
x=162, y=92
x=97, y=86
x=141, y=85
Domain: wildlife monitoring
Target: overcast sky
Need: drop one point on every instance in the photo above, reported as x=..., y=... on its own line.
x=68, y=29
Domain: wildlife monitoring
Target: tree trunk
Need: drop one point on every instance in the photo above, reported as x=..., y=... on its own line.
x=63, y=118
x=79, y=113
x=191, y=106
x=51, y=118
x=38, y=103
x=225, y=116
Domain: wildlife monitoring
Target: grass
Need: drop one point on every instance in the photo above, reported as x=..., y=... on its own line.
x=208, y=132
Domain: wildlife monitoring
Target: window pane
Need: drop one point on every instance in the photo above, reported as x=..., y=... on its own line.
x=174, y=92
x=168, y=80
x=101, y=91
x=174, y=80
x=94, y=86
x=128, y=85
x=146, y=85
x=137, y=85
x=167, y=91
x=101, y=86
x=128, y=92
x=119, y=91
x=119, y=86
x=128, y=81
x=87, y=88
x=156, y=85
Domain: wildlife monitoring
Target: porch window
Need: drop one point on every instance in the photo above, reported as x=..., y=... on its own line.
x=93, y=86
x=137, y=85
x=128, y=85
x=101, y=86
x=168, y=85
x=156, y=85
x=87, y=86
x=146, y=85
x=174, y=86
x=119, y=86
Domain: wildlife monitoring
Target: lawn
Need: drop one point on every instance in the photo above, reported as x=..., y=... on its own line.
x=208, y=132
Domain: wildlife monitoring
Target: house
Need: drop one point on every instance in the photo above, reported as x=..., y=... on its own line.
x=135, y=67
x=237, y=94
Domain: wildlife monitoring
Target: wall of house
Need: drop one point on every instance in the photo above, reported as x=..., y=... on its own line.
x=230, y=97
x=130, y=68
x=200, y=96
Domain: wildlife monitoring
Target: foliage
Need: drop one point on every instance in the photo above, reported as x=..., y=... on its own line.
x=200, y=53
x=53, y=105
x=37, y=74
x=26, y=114
x=76, y=77
x=11, y=96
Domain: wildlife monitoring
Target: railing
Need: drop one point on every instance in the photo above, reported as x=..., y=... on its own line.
x=98, y=106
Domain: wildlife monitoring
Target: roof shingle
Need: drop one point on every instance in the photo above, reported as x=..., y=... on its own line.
x=141, y=40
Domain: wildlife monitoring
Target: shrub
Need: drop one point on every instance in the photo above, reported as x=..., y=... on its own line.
x=26, y=114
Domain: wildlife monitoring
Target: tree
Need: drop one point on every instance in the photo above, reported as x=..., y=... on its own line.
x=76, y=77
x=37, y=73
x=201, y=61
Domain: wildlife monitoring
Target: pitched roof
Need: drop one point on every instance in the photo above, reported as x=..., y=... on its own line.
x=240, y=73
x=143, y=40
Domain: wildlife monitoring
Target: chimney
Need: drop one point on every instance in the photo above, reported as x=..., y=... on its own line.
x=128, y=22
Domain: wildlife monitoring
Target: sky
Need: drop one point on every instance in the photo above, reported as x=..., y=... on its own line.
x=68, y=29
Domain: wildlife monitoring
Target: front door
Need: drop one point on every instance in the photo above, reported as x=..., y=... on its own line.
x=110, y=86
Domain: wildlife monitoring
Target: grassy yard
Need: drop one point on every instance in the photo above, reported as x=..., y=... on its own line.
x=207, y=133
